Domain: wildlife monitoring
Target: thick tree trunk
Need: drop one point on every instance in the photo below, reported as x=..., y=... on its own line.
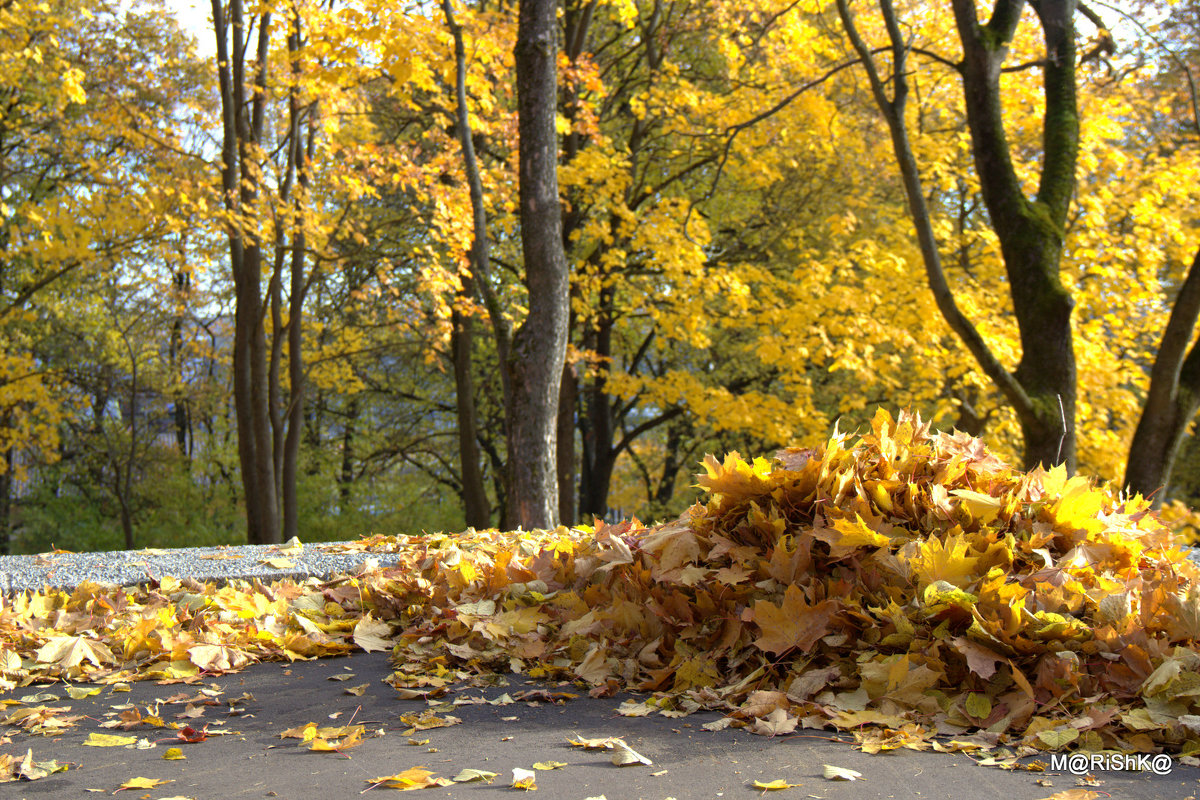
x=1172, y=399
x=1042, y=388
x=539, y=346
x=1030, y=232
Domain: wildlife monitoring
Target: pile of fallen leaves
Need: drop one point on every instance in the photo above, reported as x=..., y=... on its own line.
x=901, y=585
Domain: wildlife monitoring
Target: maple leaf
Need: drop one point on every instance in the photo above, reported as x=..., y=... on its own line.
x=795, y=624
x=936, y=560
x=70, y=651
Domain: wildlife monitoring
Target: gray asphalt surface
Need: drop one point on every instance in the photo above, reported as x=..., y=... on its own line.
x=244, y=757
x=250, y=760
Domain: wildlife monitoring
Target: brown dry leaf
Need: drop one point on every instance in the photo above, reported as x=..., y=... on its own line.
x=792, y=625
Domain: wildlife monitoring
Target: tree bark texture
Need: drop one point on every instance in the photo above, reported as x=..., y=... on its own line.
x=539, y=345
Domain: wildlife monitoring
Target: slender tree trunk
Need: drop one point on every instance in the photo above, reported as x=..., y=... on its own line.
x=474, y=496
x=242, y=124
x=6, y=491
x=346, y=475
x=301, y=121
x=565, y=452
x=1172, y=399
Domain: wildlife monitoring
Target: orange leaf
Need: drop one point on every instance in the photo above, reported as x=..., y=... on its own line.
x=795, y=624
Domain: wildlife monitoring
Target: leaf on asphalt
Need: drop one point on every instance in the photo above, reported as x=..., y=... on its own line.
x=1074, y=794
x=306, y=732
x=549, y=765
x=357, y=691
x=603, y=743
x=325, y=744
x=718, y=724
x=411, y=778
x=142, y=783
x=524, y=779
x=191, y=735
x=625, y=756
x=217, y=658
x=173, y=754
x=776, y=723
x=108, y=740
x=772, y=786
x=833, y=773
x=428, y=719
x=277, y=563
x=27, y=769
x=470, y=775
x=80, y=692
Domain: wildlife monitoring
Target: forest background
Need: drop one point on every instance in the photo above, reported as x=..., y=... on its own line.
x=776, y=217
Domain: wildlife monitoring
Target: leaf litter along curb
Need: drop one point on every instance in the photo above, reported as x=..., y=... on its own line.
x=903, y=582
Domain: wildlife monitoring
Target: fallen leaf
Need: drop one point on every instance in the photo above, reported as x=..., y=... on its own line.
x=108, y=740
x=524, y=779
x=625, y=756
x=548, y=765
x=833, y=773
x=469, y=775
x=142, y=783
x=775, y=785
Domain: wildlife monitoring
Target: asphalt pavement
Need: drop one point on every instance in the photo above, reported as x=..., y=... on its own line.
x=238, y=719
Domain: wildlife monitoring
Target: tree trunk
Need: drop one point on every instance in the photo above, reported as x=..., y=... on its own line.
x=1042, y=388
x=6, y=504
x=300, y=121
x=474, y=496
x=346, y=475
x=1172, y=399
x=1030, y=232
x=539, y=346
x=565, y=452
x=242, y=127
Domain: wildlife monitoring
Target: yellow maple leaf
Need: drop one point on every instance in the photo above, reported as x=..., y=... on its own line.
x=794, y=624
x=947, y=561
